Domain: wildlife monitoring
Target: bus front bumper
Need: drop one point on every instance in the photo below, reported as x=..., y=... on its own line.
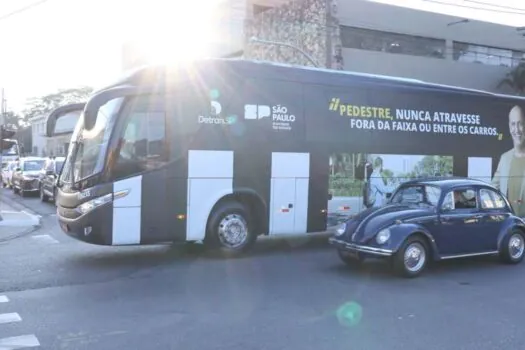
x=94, y=227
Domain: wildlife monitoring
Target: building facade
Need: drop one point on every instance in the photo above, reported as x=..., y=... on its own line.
x=57, y=145
x=370, y=37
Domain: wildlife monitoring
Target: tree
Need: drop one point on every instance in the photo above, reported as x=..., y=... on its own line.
x=515, y=79
x=13, y=121
x=38, y=106
x=432, y=165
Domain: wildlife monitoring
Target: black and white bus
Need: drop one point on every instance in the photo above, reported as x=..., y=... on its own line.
x=225, y=150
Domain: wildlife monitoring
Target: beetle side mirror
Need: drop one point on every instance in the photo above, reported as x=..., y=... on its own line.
x=330, y=196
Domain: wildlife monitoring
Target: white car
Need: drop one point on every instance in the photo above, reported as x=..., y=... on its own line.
x=7, y=173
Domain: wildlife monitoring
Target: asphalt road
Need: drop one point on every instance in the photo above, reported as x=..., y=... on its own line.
x=58, y=293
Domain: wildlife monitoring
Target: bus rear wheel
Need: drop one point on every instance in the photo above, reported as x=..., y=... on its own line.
x=230, y=230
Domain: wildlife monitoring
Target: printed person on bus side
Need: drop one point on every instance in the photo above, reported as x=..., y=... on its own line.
x=509, y=177
x=378, y=188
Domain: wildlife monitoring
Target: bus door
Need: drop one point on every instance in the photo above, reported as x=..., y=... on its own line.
x=141, y=166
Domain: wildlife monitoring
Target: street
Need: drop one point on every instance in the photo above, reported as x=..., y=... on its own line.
x=57, y=293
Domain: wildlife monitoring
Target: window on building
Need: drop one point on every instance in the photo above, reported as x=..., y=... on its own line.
x=375, y=40
x=465, y=52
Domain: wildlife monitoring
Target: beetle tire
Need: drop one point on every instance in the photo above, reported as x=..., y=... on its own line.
x=398, y=262
x=236, y=214
x=506, y=254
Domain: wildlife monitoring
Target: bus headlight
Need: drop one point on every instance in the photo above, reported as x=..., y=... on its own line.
x=94, y=203
x=383, y=236
x=97, y=202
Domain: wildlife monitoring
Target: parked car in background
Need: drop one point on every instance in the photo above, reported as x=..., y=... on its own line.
x=48, y=177
x=7, y=173
x=434, y=219
x=25, y=177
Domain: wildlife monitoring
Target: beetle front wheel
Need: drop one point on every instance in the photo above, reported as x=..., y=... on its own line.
x=411, y=259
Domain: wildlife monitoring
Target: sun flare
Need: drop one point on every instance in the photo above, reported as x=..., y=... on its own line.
x=179, y=31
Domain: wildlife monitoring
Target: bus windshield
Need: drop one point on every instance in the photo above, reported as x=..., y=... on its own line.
x=88, y=147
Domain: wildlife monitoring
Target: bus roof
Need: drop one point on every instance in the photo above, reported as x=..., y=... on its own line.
x=290, y=72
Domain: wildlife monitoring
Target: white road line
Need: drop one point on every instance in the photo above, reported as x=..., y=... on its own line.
x=21, y=342
x=11, y=317
x=3, y=299
x=45, y=238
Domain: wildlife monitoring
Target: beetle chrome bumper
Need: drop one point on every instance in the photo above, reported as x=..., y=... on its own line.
x=359, y=248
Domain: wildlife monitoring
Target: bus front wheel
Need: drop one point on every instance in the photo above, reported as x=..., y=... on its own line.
x=230, y=229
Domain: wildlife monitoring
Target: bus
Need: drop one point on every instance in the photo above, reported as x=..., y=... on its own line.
x=221, y=151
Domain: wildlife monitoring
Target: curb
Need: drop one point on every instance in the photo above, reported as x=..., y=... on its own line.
x=35, y=220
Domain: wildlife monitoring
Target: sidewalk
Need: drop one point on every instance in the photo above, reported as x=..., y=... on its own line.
x=15, y=222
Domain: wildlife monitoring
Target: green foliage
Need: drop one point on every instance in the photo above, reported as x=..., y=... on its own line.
x=343, y=186
x=13, y=121
x=43, y=105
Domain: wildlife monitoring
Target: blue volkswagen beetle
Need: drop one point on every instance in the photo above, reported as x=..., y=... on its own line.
x=434, y=219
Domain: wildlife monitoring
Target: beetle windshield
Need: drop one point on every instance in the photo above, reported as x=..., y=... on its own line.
x=416, y=194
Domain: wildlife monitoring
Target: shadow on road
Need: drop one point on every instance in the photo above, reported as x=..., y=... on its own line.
x=377, y=269
x=154, y=255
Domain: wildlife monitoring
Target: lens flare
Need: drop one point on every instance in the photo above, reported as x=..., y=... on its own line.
x=349, y=314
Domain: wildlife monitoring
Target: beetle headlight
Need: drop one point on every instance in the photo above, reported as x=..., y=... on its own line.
x=340, y=230
x=383, y=236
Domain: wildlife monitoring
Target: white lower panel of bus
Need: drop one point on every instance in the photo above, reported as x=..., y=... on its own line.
x=127, y=212
x=289, y=193
x=210, y=177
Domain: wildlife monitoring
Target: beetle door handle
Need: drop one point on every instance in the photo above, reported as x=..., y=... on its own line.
x=290, y=206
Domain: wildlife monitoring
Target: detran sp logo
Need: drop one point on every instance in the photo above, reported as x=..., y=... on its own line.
x=216, y=115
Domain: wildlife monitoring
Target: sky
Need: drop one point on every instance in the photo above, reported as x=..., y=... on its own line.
x=67, y=43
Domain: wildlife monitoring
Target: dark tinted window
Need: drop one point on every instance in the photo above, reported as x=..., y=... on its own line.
x=143, y=138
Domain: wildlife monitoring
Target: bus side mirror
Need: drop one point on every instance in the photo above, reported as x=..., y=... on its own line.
x=100, y=99
x=58, y=113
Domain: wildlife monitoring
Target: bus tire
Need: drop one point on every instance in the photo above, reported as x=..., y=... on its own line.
x=230, y=230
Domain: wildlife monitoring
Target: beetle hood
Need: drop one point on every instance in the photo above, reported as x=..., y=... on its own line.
x=369, y=222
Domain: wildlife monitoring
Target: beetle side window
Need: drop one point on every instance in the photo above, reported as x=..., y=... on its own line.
x=491, y=200
x=448, y=202
x=460, y=199
x=465, y=199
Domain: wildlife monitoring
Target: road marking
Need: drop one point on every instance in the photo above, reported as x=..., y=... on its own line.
x=3, y=299
x=45, y=238
x=11, y=317
x=20, y=342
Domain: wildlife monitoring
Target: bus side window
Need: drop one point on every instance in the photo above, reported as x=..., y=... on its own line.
x=143, y=138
